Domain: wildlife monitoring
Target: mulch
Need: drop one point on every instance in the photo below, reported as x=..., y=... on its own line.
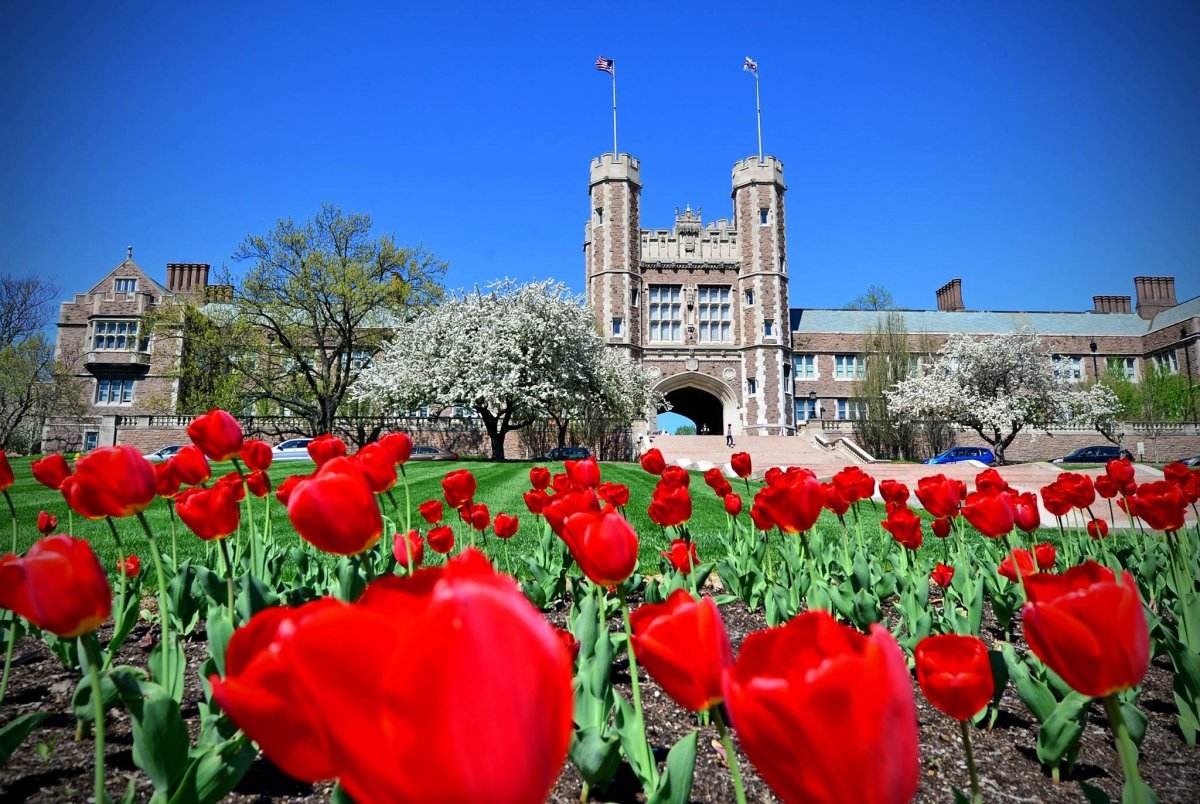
x=51, y=766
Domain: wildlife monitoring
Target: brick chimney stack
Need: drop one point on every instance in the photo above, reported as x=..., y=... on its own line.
x=1111, y=304
x=1154, y=294
x=188, y=278
x=949, y=297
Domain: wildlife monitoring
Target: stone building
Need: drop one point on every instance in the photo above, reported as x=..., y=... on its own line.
x=704, y=306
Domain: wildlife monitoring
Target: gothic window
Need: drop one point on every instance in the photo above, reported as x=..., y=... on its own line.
x=713, y=313
x=666, y=313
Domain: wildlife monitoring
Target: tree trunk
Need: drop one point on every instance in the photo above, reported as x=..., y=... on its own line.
x=497, y=439
x=562, y=432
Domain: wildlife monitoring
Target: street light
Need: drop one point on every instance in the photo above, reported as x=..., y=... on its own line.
x=1095, y=370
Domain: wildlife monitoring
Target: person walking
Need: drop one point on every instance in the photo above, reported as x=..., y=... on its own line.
x=729, y=435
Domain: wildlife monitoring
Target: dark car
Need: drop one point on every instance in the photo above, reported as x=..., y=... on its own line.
x=567, y=454
x=957, y=454
x=1098, y=454
x=423, y=453
x=1192, y=462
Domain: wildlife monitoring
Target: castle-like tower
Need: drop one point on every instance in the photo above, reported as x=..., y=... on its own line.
x=703, y=305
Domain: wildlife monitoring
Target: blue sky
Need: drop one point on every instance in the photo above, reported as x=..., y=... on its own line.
x=1042, y=152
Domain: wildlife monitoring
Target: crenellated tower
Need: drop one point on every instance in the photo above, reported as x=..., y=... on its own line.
x=758, y=191
x=612, y=249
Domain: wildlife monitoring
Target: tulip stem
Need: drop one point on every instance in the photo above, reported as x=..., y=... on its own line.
x=730, y=756
x=637, y=692
x=1136, y=791
x=12, y=513
x=8, y=652
x=164, y=612
x=91, y=648
x=120, y=618
x=228, y=576
x=174, y=542
x=976, y=794
x=407, y=501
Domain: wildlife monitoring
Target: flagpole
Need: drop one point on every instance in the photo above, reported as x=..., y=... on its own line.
x=614, y=85
x=758, y=116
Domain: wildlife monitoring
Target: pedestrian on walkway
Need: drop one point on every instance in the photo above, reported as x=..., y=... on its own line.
x=729, y=435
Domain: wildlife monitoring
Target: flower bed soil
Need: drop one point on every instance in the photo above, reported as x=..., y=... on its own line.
x=51, y=766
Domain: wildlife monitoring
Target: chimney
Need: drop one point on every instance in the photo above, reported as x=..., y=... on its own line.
x=1111, y=304
x=1154, y=294
x=949, y=297
x=187, y=277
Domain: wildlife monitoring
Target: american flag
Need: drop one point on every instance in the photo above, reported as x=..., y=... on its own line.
x=606, y=65
x=750, y=66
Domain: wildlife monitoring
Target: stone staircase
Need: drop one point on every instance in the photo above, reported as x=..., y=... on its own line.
x=823, y=453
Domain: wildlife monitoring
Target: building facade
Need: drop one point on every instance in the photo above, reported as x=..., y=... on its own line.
x=705, y=308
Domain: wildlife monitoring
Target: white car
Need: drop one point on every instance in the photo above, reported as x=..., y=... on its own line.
x=294, y=449
x=163, y=454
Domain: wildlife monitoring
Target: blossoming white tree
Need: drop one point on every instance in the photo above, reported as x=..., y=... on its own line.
x=513, y=353
x=998, y=386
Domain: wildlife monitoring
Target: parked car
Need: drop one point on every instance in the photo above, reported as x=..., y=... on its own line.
x=423, y=453
x=958, y=454
x=1192, y=462
x=294, y=449
x=163, y=454
x=567, y=454
x=1099, y=454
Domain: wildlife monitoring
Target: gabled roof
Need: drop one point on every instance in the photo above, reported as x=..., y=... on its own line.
x=1177, y=314
x=128, y=264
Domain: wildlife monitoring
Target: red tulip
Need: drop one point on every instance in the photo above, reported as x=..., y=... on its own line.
x=942, y=575
x=603, y=543
x=733, y=504
x=714, y=478
x=50, y=471
x=832, y=499
x=853, y=484
x=670, y=505
x=941, y=495
x=505, y=526
x=217, y=434
x=991, y=514
x=325, y=448
x=210, y=513
x=110, y=481
x=1097, y=529
x=740, y=461
x=569, y=642
x=761, y=519
x=682, y=643
x=1121, y=471
x=399, y=446
x=615, y=494
x=1019, y=559
x=825, y=713
x=1160, y=504
x=535, y=501
x=419, y=667
x=287, y=486
x=233, y=481
x=539, y=477
x=190, y=465
x=431, y=511
x=905, y=527
x=47, y=523
x=1077, y=488
x=1055, y=499
x=792, y=503
x=1045, y=555
x=560, y=506
x=584, y=473
x=58, y=585
x=335, y=511
x=561, y=483
x=675, y=476
x=6, y=472
x=166, y=481
x=129, y=566
x=404, y=544
x=940, y=527
x=652, y=461
x=476, y=515
x=258, y=483
x=1026, y=514
x=682, y=555
x=893, y=491
x=955, y=674
x=257, y=455
x=1107, y=487
x=441, y=539
x=375, y=461
x=1089, y=628
x=458, y=487
x=990, y=480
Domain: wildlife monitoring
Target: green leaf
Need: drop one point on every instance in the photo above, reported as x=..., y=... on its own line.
x=220, y=630
x=160, y=739
x=176, y=662
x=681, y=766
x=595, y=755
x=1093, y=794
x=219, y=768
x=14, y=732
x=1060, y=733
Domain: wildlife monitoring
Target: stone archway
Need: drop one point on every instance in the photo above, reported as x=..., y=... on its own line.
x=705, y=400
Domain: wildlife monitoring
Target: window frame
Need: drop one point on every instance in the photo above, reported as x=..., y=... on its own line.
x=848, y=367
x=114, y=391
x=706, y=303
x=669, y=296
x=118, y=281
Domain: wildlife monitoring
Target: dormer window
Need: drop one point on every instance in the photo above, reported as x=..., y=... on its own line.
x=126, y=285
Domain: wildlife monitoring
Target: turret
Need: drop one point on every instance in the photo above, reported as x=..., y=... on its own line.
x=612, y=248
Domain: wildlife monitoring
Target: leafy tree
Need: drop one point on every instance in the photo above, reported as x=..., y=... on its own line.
x=998, y=386
x=512, y=353
x=320, y=297
x=876, y=297
x=685, y=429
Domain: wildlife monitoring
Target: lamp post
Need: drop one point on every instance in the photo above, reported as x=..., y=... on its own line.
x=1095, y=368
x=812, y=404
